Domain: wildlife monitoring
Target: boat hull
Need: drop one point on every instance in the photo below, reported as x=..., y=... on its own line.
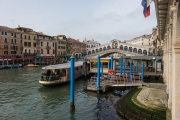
x=31, y=66
x=54, y=82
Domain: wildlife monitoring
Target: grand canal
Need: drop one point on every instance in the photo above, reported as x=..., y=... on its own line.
x=22, y=97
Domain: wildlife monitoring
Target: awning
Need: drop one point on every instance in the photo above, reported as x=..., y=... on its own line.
x=39, y=57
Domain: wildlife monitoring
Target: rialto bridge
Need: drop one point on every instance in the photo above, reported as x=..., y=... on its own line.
x=116, y=46
x=168, y=19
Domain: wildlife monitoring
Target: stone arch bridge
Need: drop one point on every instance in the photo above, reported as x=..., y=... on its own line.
x=116, y=46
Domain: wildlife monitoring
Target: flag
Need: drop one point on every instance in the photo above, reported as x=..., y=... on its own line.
x=146, y=6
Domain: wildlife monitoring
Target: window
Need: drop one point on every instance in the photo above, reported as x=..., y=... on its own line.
x=53, y=51
x=29, y=51
x=47, y=44
x=5, y=33
x=53, y=44
x=11, y=34
x=5, y=40
x=47, y=51
x=25, y=43
x=2, y=33
x=14, y=40
x=34, y=37
x=21, y=41
x=41, y=51
x=41, y=43
x=11, y=40
x=14, y=34
x=5, y=46
x=6, y=52
x=29, y=44
x=21, y=36
x=34, y=44
x=24, y=36
x=29, y=37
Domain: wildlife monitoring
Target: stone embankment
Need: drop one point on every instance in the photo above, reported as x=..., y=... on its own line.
x=146, y=103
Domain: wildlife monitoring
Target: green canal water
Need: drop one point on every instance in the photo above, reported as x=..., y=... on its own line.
x=23, y=98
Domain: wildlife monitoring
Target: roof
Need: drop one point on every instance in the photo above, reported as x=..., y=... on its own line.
x=7, y=29
x=71, y=40
x=62, y=66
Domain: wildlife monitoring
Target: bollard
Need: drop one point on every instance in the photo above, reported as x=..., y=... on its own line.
x=111, y=63
x=121, y=64
x=98, y=74
x=72, y=106
x=124, y=68
x=142, y=71
x=137, y=67
x=101, y=70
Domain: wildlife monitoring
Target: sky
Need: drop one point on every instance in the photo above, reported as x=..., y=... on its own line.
x=101, y=20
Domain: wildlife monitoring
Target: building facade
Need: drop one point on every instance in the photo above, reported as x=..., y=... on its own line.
x=76, y=47
x=141, y=40
x=45, y=45
x=29, y=41
x=155, y=48
x=91, y=44
x=61, y=44
x=11, y=42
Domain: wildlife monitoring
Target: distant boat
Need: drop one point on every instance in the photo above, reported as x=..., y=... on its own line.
x=31, y=66
x=60, y=73
x=13, y=66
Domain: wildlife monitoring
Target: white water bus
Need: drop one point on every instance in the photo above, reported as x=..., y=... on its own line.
x=60, y=73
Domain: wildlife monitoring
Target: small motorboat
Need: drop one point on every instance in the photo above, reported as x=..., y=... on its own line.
x=31, y=66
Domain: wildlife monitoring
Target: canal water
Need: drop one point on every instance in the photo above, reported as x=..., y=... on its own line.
x=23, y=98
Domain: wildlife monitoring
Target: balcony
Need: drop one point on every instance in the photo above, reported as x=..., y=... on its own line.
x=48, y=47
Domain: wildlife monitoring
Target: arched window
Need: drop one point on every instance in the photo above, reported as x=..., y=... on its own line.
x=100, y=49
x=121, y=47
x=145, y=52
x=96, y=50
x=93, y=51
x=130, y=49
x=104, y=48
x=89, y=52
x=126, y=48
x=29, y=51
x=108, y=47
x=135, y=50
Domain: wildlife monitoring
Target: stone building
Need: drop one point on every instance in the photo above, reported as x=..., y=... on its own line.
x=141, y=40
x=61, y=44
x=168, y=19
x=45, y=45
x=29, y=41
x=11, y=42
x=79, y=48
x=155, y=48
x=91, y=44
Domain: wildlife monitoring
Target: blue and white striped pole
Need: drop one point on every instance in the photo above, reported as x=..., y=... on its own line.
x=142, y=71
x=72, y=106
x=98, y=76
x=109, y=65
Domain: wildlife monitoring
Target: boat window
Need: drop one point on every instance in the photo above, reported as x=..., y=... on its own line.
x=63, y=73
x=76, y=68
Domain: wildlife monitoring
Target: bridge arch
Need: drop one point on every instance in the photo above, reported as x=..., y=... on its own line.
x=108, y=47
x=104, y=48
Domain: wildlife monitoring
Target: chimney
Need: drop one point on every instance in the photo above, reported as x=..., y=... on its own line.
x=19, y=26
